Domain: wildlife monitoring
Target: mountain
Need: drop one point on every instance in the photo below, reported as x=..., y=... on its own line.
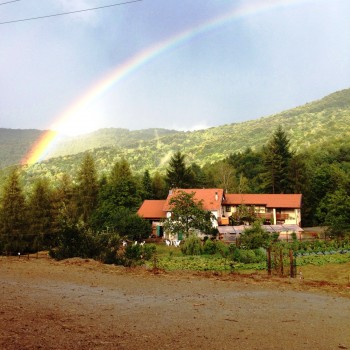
x=314, y=124
x=15, y=143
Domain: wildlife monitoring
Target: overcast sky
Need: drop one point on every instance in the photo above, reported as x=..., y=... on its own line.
x=236, y=61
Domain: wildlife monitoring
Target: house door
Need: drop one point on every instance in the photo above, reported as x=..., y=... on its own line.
x=159, y=231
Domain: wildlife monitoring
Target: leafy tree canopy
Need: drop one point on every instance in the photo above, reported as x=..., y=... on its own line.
x=188, y=215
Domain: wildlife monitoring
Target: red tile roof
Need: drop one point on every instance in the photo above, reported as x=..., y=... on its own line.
x=152, y=209
x=211, y=197
x=268, y=200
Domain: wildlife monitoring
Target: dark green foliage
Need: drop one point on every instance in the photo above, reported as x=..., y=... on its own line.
x=13, y=216
x=41, y=214
x=159, y=187
x=136, y=254
x=74, y=241
x=121, y=220
x=147, y=191
x=149, y=250
x=121, y=189
x=178, y=175
x=334, y=211
x=87, y=188
x=277, y=158
x=108, y=245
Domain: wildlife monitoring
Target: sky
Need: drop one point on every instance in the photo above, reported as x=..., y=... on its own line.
x=175, y=64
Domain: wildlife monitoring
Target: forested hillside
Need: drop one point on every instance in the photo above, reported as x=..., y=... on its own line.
x=14, y=144
x=316, y=123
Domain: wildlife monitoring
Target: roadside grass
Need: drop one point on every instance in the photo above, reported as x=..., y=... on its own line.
x=331, y=268
x=338, y=273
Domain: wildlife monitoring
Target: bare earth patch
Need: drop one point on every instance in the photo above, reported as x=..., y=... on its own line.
x=82, y=304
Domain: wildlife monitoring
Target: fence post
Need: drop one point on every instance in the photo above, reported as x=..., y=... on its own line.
x=281, y=262
x=293, y=266
x=269, y=261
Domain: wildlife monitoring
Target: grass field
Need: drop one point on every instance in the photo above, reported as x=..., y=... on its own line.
x=330, y=268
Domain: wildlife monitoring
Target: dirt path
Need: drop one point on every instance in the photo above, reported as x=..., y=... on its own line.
x=80, y=304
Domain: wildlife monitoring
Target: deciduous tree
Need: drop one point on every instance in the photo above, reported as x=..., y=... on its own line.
x=187, y=214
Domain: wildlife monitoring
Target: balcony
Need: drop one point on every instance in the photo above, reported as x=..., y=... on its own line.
x=264, y=215
x=281, y=217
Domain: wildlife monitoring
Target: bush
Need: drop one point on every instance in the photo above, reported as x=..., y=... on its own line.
x=108, y=245
x=223, y=249
x=192, y=246
x=74, y=242
x=148, y=251
x=209, y=247
x=249, y=256
x=255, y=237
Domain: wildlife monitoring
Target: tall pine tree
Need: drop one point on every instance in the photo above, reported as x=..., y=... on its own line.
x=40, y=213
x=87, y=188
x=13, y=214
x=178, y=175
x=277, y=158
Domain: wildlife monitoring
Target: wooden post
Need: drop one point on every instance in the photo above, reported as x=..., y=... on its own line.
x=281, y=262
x=269, y=261
x=292, y=267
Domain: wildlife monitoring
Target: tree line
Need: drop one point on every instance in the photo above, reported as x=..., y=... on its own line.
x=108, y=202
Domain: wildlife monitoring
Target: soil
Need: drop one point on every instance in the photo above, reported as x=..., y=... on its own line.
x=82, y=304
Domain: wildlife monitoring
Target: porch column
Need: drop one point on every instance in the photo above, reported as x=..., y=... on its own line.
x=274, y=216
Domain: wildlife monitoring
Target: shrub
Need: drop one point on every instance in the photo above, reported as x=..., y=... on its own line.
x=192, y=246
x=148, y=251
x=209, y=247
x=248, y=256
x=108, y=245
x=223, y=249
x=74, y=242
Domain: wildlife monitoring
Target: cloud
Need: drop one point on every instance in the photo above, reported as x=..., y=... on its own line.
x=245, y=69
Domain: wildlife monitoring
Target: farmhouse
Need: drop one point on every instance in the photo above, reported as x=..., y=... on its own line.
x=279, y=212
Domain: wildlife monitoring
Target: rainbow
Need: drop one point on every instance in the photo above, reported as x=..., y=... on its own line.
x=45, y=144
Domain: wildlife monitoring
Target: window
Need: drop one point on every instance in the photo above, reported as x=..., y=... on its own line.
x=259, y=209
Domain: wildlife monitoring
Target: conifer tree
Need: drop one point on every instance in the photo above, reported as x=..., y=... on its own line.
x=277, y=157
x=123, y=191
x=147, y=192
x=178, y=175
x=64, y=203
x=159, y=188
x=13, y=214
x=40, y=212
x=87, y=188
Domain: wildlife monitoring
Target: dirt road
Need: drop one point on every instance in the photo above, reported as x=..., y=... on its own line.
x=78, y=304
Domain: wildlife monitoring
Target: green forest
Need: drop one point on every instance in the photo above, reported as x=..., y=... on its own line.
x=50, y=213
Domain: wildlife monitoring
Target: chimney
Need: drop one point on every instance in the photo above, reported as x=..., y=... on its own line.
x=216, y=196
